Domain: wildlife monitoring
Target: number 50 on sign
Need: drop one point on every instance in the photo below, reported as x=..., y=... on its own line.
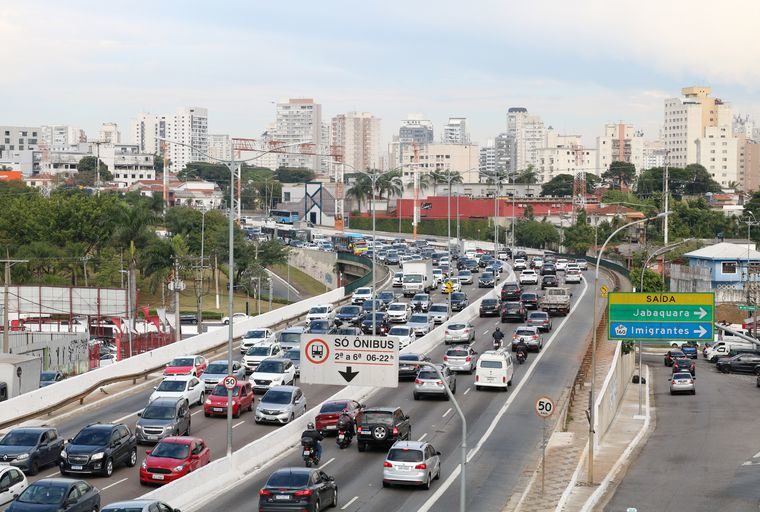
x=544, y=407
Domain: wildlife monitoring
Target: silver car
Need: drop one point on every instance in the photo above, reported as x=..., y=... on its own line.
x=216, y=371
x=281, y=404
x=421, y=323
x=461, y=358
x=465, y=276
x=411, y=463
x=682, y=382
x=439, y=312
x=462, y=332
x=428, y=383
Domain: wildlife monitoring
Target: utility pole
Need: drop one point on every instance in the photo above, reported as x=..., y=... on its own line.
x=6, y=297
x=177, y=285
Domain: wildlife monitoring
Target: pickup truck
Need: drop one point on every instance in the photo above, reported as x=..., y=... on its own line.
x=556, y=300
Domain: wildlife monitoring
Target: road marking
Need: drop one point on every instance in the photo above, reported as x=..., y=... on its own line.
x=344, y=507
x=485, y=332
x=238, y=424
x=515, y=393
x=196, y=412
x=120, y=420
x=51, y=475
x=115, y=483
x=467, y=390
x=423, y=436
x=446, y=413
x=326, y=463
x=756, y=455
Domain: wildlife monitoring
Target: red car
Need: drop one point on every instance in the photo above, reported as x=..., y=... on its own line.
x=242, y=398
x=186, y=365
x=172, y=458
x=330, y=412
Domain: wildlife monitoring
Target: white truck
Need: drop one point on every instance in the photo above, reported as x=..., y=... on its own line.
x=18, y=374
x=418, y=277
x=556, y=300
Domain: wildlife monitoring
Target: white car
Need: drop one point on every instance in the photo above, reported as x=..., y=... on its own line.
x=519, y=264
x=256, y=336
x=528, y=277
x=236, y=318
x=361, y=294
x=182, y=386
x=321, y=312
x=14, y=481
x=398, y=279
x=561, y=265
x=538, y=263
x=438, y=276
x=503, y=255
x=421, y=323
x=572, y=275
x=275, y=371
x=403, y=335
x=439, y=312
x=398, y=312
x=582, y=264
x=258, y=353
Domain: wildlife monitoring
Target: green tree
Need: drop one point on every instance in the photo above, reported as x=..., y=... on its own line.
x=539, y=235
x=580, y=236
x=214, y=172
x=653, y=281
x=442, y=177
x=620, y=174
x=294, y=175
x=389, y=184
x=86, y=175
x=158, y=163
x=691, y=180
x=528, y=176
x=361, y=190
x=559, y=186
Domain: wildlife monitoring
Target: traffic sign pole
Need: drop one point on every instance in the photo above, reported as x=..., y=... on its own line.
x=544, y=409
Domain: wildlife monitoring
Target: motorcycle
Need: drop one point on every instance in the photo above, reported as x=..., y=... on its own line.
x=496, y=345
x=309, y=453
x=521, y=356
x=343, y=439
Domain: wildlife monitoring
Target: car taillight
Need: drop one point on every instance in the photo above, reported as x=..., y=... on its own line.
x=445, y=358
x=395, y=430
x=417, y=381
x=359, y=429
x=264, y=492
x=421, y=466
x=439, y=382
x=387, y=464
x=468, y=359
x=302, y=493
x=477, y=378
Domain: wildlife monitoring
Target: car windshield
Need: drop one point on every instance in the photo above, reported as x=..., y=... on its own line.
x=216, y=369
x=427, y=374
x=677, y=353
x=377, y=417
x=489, y=302
x=181, y=361
x=421, y=297
x=119, y=508
x=261, y=350
x=465, y=273
x=457, y=327
x=293, y=355
x=318, y=310
x=681, y=376
x=363, y=291
x=220, y=390
x=524, y=332
x=397, y=307
x=387, y=295
x=285, y=479
x=458, y=296
x=333, y=407
x=490, y=364
x=92, y=437
x=486, y=275
x=256, y=334
x=528, y=296
x=350, y=310
x=39, y=494
x=399, y=331
x=439, y=308
x=319, y=324
x=418, y=319
x=457, y=353
x=171, y=450
x=538, y=316
x=404, y=455
x=271, y=367
x=172, y=386
x=47, y=376
x=277, y=397
x=158, y=412
x=409, y=357
x=290, y=337
x=14, y=438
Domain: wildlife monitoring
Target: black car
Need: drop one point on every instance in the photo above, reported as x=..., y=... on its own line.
x=31, y=448
x=382, y=322
x=459, y=301
x=351, y=330
x=350, y=314
x=387, y=297
x=485, y=260
x=489, y=307
x=98, y=448
x=521, y=255
x=55, y=494
x=513, y=312
x=486, y=280
x=367, y=306
x=672, y=355
x=685, y=365
x=319, y=327
x=511, y=291
x=382, y=426
x=298, y=489
x=469, y=264
x=529, y=300
x=549, y=281
x=741, y=363
x=408, y=367
x=188, y=318
x=548, y=269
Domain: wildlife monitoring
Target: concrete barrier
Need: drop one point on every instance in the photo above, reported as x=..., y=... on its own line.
x=612, y=392
x=42, y=400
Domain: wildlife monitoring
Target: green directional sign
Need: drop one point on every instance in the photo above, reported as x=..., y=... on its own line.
x=661, y=316
x=748, y=308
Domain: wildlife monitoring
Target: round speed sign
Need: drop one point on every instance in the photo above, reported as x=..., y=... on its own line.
x=544, y=407
x=230, y=382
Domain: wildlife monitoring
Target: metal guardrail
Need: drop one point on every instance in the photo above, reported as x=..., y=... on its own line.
x=608, y=264
x=366, y=279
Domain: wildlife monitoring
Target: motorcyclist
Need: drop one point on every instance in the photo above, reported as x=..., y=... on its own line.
x=312, y=433
x=521, y=347
x=497, y=337
x=346, y=424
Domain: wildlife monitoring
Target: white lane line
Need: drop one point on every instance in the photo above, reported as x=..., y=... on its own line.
x=120, y=420
x=467, y=390
x=344, y=507
x=196, y=412
x=423, y=436
x=326, y=463
x=756, y=455
x=446, y=413
x=485, y=332
x=454, y=475
x=115, y=483
x=51, y=475
x=238, y=424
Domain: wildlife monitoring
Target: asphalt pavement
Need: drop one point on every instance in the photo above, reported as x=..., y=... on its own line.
x=704, y=454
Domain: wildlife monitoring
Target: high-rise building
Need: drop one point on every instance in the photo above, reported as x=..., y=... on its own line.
x=127, y=164
x=527, y=135
x=503, y=149
x=189, y=125
x=751, y=182
x=358, y=135
x=620, y=143
x=718, y=151
x=299, y=120
x=461, y=158
x=653, y=154
x=109, y=133
x=563, y=154
x=61, y=136
x=219, y=147
x=455, y=131
x=147, y=131
x=415, y=128
x=487, y=163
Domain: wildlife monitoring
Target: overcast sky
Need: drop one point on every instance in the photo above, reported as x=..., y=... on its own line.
x=577, y=64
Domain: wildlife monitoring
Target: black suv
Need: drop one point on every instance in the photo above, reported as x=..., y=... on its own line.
x=549, y=281
x=30, y=448
x=513, y=312
x=511, y=291
x=98, y=448
x=458, y=301
x=489, y=307
x=382, y=426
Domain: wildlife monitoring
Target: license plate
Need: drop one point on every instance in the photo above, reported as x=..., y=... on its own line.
x=341, y=437
x=218, y=409
x=306, y=453
x=403, y=468
x=282, y=497
x=5, y=463
x=76, y=468
x=331, y=427
x=490, y=379
x=158, y=477
x=153, y=438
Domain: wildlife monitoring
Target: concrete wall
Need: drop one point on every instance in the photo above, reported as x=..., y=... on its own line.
x=318, y=264
x=612, y=391
x=64, y=351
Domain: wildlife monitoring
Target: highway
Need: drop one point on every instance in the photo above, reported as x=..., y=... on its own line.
x=124, y=483
x=704, y=447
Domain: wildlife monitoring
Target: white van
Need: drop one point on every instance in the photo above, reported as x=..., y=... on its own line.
x=494, y=370
x=722, y=349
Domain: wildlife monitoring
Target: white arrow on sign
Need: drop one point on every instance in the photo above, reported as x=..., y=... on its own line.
x=701, y=331
x=701, y=313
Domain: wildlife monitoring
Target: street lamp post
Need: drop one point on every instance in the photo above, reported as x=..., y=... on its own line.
x=591, y=416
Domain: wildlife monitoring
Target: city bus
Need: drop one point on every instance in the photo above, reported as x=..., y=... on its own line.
x=283, y=216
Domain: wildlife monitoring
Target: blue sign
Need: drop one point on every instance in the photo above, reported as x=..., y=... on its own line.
x=661, y=330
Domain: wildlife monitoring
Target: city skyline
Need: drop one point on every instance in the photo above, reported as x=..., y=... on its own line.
x=118, y=62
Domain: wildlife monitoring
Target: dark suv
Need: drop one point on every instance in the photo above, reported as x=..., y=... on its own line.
x=489, y=307
x=549, y=281
x=511, y=291
x=30, y=448
x=513, y=312
x=98, y=448
x=382, y=426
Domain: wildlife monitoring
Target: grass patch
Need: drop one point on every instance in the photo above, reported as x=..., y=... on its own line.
x=305, y=284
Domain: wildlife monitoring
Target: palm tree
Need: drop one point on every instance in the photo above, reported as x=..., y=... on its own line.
x=360, y=190
x=441, y=177
x=390, y=184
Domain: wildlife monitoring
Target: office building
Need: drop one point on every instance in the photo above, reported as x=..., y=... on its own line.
x=127, y=164
x=653, y=154
x=526, y=134
x=357, y=135
x=219, y=147
x=19, y=138
x=415, y=128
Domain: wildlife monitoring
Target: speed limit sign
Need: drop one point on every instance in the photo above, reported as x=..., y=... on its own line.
x=544, y=407
x=230, y=382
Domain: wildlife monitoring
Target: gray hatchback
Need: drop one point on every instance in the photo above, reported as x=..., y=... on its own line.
x=162, y=418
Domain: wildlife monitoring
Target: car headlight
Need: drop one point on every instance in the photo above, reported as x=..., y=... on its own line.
x=63, y=454
x=208, y=401
x=179, y=468
x=23, y=456
x=97, y=456
x=144, y=464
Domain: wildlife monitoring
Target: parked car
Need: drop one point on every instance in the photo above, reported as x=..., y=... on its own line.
x=216, y=371
x=421, y=323
x=258, y=353
x=12, y=483
x=461, y=358
x=439, y=312
x=381, y=323
x=529, y=300
x=399, y=312
x=139, y=506
x=236, y=317
x=682, y=382
x=411, y=463
x=530, y=336
x=173, y=458
x=297, y=488
x=541, y=320
x=281, y=404
x=256, y=336
x=30, y=448
x=460, y=332
x=403, y=334
x=327, y=417
x=511, y=291
x=549, y=281
x=275, y=371
x=216, y=402
x=513, y=312
x=670, y=355
x=186, y=365
x=99, y=448
x=50, y=377
x=56, y=494
x=182, y=386
x=489, y=307
x=408, y=365
x=458, y=301
x=290, y=337
x=361, y=294
x=381, y=426
x=740, y=363
x=161, y=418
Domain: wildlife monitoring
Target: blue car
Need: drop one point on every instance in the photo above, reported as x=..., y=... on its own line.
x=55, y=494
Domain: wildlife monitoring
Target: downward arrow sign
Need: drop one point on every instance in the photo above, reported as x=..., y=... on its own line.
x=701, y=313
x=349, y=375
x=701, y=331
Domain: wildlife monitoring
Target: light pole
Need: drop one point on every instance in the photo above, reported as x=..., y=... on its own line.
x=129, y=309
x=750, y=223
x=591, y=416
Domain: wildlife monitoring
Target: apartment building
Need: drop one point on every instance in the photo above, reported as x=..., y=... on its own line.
x=219, y=147
x=127, y=164
x=462, y=158
x=189, y=126
x=61, y=135
x=147, y=131
x=718, y=151
x=415, y=128
x=299, y=120
x=526, y=134
x=620, y=143
x=357, y=135
x=455, y=131
x=109, y=133
x=564, y=154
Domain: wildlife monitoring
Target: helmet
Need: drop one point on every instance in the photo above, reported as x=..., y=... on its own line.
x=310, y=426
x=498, y=329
